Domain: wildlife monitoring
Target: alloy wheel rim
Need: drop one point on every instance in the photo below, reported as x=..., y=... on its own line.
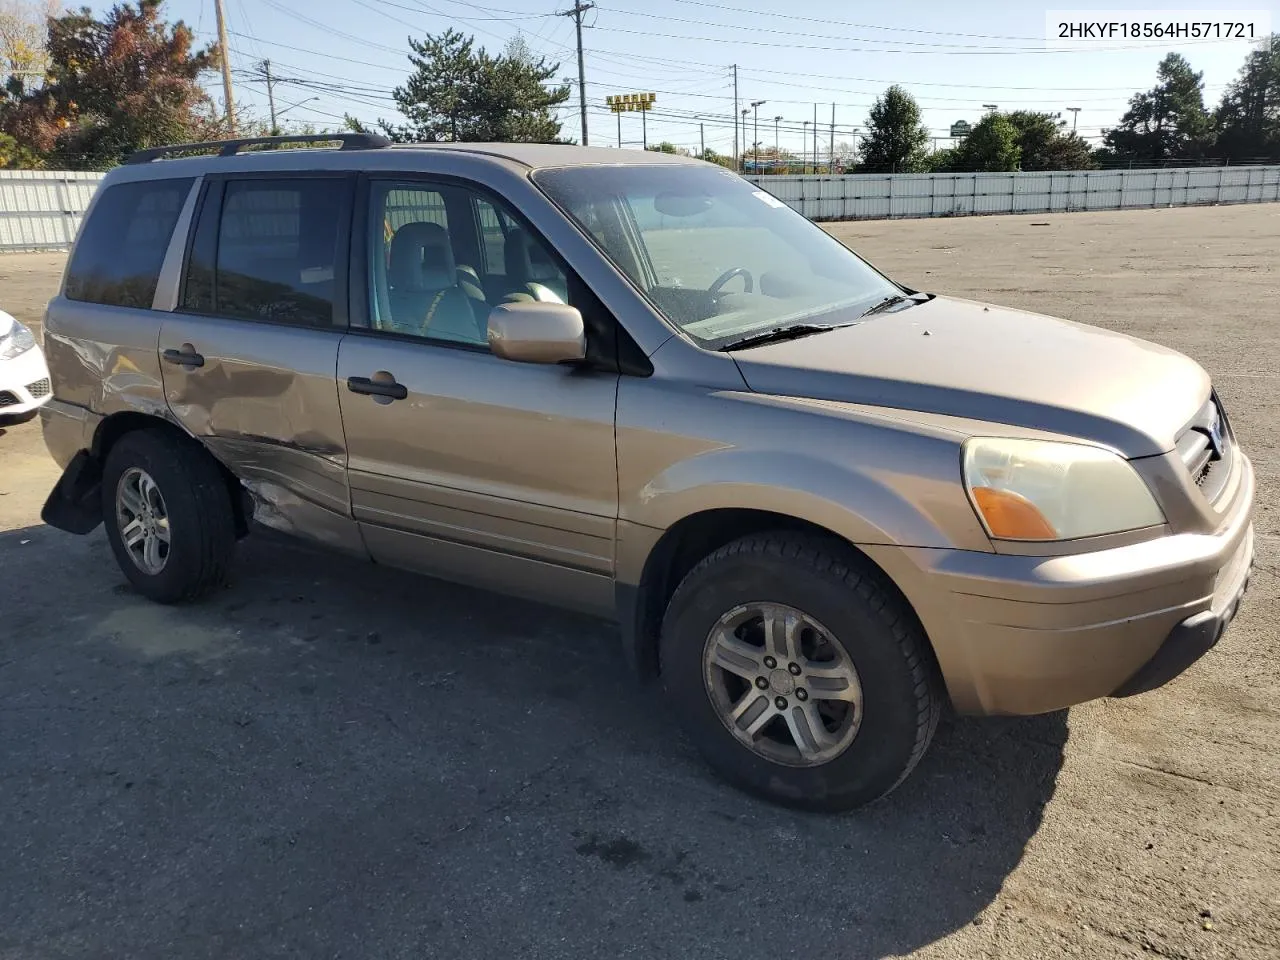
x=782, y=684
x=143, y=520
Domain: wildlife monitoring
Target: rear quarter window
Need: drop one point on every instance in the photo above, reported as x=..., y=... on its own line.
x=122, y=245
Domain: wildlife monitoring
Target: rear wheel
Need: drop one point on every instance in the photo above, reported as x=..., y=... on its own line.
x=168, y=515
x=801, y=674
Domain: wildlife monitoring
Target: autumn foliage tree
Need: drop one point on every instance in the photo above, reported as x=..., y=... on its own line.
x=113, y=85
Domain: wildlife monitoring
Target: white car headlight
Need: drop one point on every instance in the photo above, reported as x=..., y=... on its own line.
x=17, y=341
x=1044, y=490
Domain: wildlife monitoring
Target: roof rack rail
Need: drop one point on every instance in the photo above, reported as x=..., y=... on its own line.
x=228, y=148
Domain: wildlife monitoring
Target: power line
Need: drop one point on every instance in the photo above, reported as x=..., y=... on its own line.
x=303, y=18
x=993, y=52
x=826, y=35
x=846, y=23
x=423, y=9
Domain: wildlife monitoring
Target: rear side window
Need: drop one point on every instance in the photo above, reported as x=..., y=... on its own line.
x=122, y=244
x=494, y=225
x=274, y=247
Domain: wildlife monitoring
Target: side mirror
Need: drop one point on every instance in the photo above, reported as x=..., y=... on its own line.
x=534, y=332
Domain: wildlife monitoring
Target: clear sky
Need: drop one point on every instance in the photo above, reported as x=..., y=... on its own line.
x=953, y=56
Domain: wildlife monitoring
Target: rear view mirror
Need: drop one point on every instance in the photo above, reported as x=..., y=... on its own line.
x=682, y=204
x=537, y=332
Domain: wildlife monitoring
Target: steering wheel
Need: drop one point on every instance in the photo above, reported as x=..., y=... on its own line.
x=729, y=275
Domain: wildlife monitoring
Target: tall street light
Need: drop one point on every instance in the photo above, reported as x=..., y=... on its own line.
x=1075, y=115
x=292, y=106
x=755, y=129
x=776, y=155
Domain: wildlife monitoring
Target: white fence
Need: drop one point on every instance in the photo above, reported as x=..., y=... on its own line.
x=41, y=209
x=881, y=196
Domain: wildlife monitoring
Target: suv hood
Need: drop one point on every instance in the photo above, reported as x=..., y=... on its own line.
x=966, y=359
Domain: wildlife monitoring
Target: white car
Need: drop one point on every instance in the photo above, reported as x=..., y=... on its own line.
x=24, y=377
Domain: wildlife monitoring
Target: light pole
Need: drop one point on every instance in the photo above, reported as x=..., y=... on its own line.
x=745, y=111
x=1075, y=115
x=776, y=155
x=804, y=148
x=755, y=129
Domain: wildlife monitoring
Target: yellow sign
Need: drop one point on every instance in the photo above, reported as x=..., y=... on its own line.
x=624, y=102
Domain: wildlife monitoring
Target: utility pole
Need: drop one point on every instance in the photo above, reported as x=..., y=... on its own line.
x=815, y=138
x=224, y=55
x=1075, y=115
x=804, y=148
x=579, y=8
x=271, y=96
x=745, y=111
x=702, y=141
x=777, y=155
x=735, y=117
x=831, y=152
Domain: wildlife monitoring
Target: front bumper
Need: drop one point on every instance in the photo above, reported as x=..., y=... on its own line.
x=24, y=383
x=1197, y=635
x=1023, y=635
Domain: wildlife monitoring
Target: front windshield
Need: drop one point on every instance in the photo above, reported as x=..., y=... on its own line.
x=720, y=258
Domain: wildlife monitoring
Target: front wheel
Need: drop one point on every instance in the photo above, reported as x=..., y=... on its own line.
x=800, y=673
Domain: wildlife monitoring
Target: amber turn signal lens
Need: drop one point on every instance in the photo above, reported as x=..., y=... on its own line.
x=1012, y=517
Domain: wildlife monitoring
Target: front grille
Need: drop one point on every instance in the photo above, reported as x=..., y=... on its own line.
x=7, y=399
x=39, y=389
x=1206, y=448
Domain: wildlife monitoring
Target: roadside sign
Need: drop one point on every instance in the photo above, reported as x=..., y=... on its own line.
x=960, y=128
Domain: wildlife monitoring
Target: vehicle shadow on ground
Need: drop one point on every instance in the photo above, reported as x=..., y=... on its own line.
x=332, y=758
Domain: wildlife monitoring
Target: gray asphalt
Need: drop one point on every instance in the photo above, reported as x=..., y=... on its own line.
x=334, y=760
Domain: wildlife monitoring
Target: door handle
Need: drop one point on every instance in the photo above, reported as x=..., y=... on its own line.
x=377, y=388
x=187, y=356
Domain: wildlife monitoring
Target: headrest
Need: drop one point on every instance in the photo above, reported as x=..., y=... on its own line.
x=526, y=260
x=421, y=258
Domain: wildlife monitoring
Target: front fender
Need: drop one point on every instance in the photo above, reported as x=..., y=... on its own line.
x=863, y=506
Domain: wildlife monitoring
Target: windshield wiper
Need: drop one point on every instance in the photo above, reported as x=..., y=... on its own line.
x=893, y=301
x=777, y=335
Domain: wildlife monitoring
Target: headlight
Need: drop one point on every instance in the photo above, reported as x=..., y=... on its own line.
x=1043, y=490
x=17, y=341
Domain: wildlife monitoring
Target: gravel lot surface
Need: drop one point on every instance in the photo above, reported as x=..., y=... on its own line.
x=333, y=760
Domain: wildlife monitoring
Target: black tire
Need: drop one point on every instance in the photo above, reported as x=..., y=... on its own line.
x=201, y=520
x=901, y=688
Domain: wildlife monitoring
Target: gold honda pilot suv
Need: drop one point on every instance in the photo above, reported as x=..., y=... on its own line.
x=820, y=504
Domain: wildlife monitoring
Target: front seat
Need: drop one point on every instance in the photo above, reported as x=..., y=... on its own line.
x=426, y=298
x=531, y=272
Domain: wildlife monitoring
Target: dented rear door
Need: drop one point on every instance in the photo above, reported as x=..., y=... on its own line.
x=249, y=355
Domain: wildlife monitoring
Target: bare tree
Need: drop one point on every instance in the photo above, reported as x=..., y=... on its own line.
x=23, y=29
